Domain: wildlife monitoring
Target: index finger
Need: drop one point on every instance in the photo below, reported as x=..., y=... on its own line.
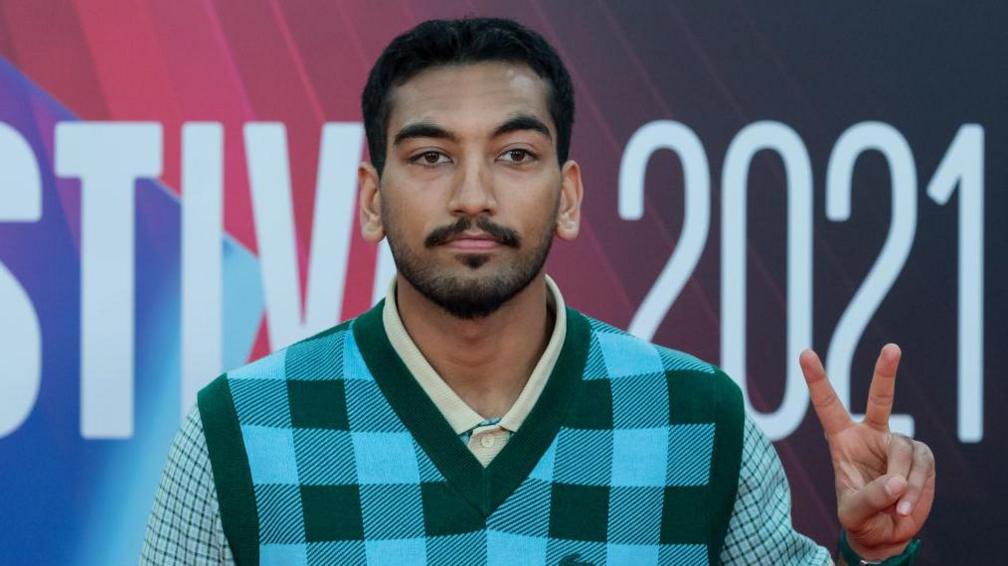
x=831, y=412
x=883, y=387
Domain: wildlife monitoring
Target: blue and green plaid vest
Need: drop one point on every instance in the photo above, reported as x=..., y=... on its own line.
x=329, y=452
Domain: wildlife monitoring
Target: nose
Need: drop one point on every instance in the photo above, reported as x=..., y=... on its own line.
x=473, y=193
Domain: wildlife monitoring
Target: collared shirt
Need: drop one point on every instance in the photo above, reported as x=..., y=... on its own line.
x=485, y=435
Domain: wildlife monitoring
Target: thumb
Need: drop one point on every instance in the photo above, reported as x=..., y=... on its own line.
x=879, y=494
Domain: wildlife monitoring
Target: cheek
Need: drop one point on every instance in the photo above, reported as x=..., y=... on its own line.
x=544, y=209
x=406, y=210
x=537, y=221
x=529, y=194
x=400, y=223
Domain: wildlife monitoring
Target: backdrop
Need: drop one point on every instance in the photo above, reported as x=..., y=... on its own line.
x=177, y=198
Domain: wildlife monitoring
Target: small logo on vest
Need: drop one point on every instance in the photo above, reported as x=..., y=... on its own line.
x=573, y=560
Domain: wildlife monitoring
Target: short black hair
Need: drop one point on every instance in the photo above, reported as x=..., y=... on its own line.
x=436, y=43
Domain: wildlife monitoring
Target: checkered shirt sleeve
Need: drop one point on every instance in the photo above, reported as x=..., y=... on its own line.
x=760, y=530
x=185, y=525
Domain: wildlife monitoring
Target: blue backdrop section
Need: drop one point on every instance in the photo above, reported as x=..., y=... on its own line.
x=86, y=493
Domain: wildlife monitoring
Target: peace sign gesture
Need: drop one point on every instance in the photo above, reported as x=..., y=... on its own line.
x=885, y=481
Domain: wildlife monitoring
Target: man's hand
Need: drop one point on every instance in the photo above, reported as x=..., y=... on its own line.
x=885, y=482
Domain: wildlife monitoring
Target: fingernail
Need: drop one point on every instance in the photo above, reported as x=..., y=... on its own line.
x=894, y=486
x=903, y=508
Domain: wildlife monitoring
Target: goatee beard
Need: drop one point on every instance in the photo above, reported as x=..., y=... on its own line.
x=476, y=297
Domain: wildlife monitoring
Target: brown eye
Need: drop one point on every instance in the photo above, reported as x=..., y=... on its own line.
x=429, y=158
x=517, y=156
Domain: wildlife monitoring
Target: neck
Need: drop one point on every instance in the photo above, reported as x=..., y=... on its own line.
x=487, y=360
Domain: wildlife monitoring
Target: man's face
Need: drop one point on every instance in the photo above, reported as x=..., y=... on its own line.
x=471, y=188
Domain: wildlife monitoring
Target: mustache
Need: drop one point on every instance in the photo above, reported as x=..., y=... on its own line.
x=503, y=236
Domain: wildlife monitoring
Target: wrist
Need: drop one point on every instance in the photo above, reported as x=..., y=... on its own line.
x=855, y=554
x=876, y=553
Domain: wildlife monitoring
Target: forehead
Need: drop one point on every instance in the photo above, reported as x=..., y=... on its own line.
x=470, y=96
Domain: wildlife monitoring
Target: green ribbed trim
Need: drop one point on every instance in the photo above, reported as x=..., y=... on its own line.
x=232, y=477
x=485, y=489
x=528, y=444
x=415, y=409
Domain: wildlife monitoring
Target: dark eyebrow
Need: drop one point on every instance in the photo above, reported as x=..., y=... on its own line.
x=429, y=130
x=523, y=122
x=422, y=130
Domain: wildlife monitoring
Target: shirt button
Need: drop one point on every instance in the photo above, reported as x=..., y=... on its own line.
x=487, y=441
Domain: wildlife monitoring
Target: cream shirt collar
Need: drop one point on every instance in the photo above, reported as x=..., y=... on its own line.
x=459, y=415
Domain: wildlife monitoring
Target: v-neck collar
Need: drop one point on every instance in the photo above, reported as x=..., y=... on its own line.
x=484, y=488
x=456, y=411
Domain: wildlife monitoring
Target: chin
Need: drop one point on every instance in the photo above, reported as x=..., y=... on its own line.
x=474, y=261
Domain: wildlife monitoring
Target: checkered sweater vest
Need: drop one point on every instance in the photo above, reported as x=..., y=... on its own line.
x=329, y=452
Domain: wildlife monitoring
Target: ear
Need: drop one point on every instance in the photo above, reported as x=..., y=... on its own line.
x=571, y=192
x=370, y=203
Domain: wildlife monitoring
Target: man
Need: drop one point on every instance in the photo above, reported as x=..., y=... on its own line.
x=471, y=417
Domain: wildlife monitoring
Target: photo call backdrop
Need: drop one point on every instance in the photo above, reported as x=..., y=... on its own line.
x=178, y=193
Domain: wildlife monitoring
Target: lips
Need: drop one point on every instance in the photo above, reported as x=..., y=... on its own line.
x=472, y=242
x=473, y=234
